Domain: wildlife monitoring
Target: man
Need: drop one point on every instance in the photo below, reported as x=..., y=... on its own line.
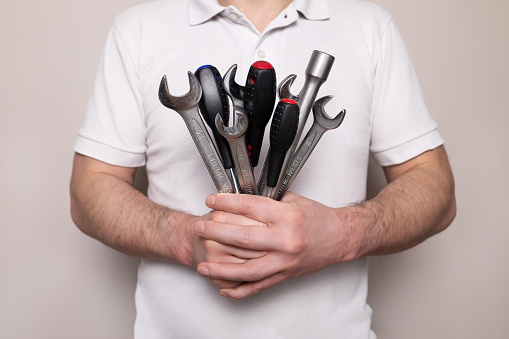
x=308, y=252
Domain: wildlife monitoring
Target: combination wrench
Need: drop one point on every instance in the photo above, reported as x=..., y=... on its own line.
x=233, y=89
x=317, y=72
x=187, y=107
x=321, y=124
x=235, y=136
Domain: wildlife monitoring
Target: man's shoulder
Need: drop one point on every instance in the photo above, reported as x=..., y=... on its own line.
x=361, y=9
x=153, y=12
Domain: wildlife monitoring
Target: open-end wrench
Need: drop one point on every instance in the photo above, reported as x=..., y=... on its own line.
x=187, y=107
x=236, y=138
x=233, y=89
x=321, y=124
x=317, y=72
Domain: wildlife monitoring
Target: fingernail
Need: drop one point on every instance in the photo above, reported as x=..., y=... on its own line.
x=203, y=271
x=199, y=227
x=211, y=199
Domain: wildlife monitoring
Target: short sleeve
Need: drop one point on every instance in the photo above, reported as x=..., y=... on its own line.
x=401, y=127
x=113, y=130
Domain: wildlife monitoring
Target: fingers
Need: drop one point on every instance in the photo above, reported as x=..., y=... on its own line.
x=216, y=252
x=245, y=290
x=249, y=271
x=236, y=219
x=224, y=284
x=245, y=237
x=254, y=207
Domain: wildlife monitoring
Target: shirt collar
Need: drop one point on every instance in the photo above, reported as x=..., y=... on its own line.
x=203, y=10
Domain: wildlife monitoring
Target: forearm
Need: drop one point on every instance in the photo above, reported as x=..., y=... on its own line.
x=410, y=209
x=112, y=211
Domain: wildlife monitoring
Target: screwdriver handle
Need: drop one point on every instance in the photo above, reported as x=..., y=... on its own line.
x=259, y=100
x=214, y=100
x=282, y=133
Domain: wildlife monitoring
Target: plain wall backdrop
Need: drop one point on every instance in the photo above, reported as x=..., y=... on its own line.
x=57, y=283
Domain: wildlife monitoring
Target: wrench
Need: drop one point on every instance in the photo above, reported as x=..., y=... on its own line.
x=235, y=136
x=317, y=72
x=233, y=89
x=321, y=124
x=187, y=107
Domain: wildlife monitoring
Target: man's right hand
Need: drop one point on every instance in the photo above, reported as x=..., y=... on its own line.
x=105, y=206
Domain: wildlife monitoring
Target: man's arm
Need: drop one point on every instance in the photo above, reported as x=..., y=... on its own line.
x=106, y=206
x=304, y=236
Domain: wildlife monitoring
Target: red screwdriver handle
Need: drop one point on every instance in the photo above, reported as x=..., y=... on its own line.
x=282, y=133
x=259, y=100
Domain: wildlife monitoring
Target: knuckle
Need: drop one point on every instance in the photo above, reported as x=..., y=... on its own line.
x=256, y=288
x=250, y=275
x=218, y=216
x=247, y=202
x=294, y=244
x=244, y=237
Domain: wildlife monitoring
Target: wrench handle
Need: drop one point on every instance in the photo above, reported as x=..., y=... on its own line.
x=207, y=151
x=243, y=167
x=299, y=159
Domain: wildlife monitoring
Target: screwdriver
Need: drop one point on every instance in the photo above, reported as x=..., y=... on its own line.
x=259, y=100
x=283, y=129
x=212, y=102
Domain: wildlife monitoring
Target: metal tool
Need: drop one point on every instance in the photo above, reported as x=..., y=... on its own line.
x=321, y=124
x=187, y=107
x=317, y=72
x=233, y=89
x=214, y=101
x=282, y=133
x=236, y=138
x=259, y=101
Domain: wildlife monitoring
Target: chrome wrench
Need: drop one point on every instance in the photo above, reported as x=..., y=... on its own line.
x=187, y=107
x=235, y=136
x=321, y=124
x=233, y=89
x=317, y=72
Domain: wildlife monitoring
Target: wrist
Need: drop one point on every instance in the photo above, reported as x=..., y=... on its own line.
x=358, y=224
x=176, y=234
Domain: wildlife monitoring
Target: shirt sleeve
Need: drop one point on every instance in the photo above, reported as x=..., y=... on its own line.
x=401, y=127
x=113, y=130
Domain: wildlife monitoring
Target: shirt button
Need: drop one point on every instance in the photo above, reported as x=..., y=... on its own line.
x=233, y=17
x=261, y=54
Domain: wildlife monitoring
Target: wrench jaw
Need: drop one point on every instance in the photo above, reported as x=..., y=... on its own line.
x=239, y=128
x=234, y=90
x=235, y=135
x=184, y=102
x=284, y=88
x=321, y=116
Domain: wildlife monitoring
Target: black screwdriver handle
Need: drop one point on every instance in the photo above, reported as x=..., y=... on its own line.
x=214, y=100
x=282, y=133
x=259, y=100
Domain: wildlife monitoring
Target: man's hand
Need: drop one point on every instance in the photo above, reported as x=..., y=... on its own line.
x=206, y=250
x=105, y=206
x=300, y=236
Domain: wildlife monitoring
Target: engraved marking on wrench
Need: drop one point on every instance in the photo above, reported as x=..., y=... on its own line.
x=187, y=107
x=321, y=124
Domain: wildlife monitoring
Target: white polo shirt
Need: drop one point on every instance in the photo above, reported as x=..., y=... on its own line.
x=125, y=124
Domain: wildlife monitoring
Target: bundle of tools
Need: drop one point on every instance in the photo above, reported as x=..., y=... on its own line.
x=240, y=141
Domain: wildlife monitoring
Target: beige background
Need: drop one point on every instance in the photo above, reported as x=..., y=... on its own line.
x=57, y=283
